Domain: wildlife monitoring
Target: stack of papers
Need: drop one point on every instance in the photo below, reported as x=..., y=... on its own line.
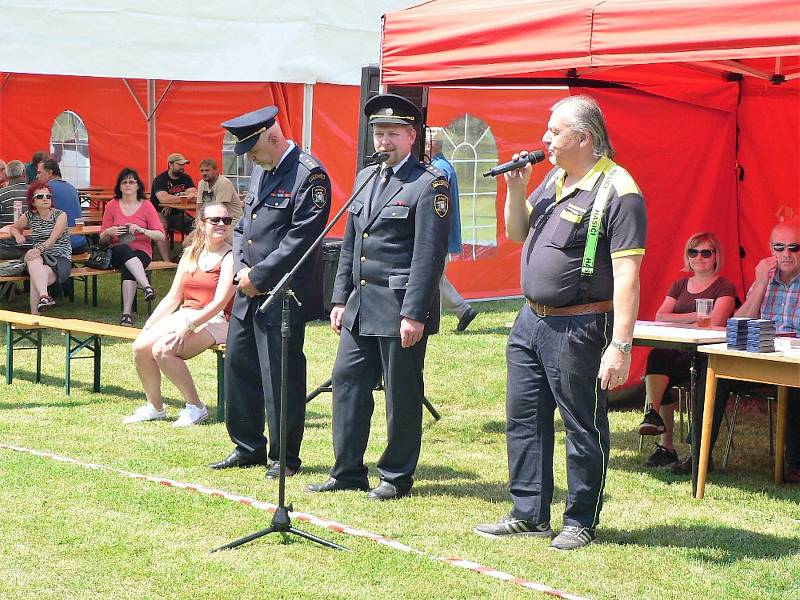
x=760, y=335
x=736, y=333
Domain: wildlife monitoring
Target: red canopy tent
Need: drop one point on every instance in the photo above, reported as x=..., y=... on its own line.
x=702, y=100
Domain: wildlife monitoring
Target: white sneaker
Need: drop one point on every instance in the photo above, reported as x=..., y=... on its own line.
x=147, y=412
x=191, y=415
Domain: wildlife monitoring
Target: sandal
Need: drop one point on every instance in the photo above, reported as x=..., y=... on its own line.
x=149, y=293
x=45, y=303
x=126, y=321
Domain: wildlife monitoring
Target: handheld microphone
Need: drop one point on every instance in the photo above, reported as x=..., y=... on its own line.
x=377, y=158
x=532, y=158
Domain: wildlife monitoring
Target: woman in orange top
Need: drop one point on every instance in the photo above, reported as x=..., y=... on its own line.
x=202, y=293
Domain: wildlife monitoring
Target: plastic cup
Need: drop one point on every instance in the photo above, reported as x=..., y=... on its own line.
x=704, y=308
x=79, y=224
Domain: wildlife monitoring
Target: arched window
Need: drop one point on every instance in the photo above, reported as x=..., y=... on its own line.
x=69, y=147
x=236, y=168
x=471, y=147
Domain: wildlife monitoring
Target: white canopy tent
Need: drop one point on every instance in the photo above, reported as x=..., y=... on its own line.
x=301, y=41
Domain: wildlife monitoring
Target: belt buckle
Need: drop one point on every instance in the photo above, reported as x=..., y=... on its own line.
x=540, y=309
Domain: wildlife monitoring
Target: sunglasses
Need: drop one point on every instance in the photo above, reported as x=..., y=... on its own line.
x=218, y=220
x=42, y=196
x=693, y=252
x=790, y=247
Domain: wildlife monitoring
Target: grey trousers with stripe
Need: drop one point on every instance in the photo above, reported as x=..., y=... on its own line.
x=553, y=362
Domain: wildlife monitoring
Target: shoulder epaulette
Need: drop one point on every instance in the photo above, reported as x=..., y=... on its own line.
x=309, y=162
x=434, y=171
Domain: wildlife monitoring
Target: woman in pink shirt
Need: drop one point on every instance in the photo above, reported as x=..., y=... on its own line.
x=131, y=225
x=192, y=317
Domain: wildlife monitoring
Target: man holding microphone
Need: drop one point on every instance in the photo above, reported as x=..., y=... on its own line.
x=584, y=231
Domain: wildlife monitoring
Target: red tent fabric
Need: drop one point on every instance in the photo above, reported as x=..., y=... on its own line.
x=702, y=101
x=445, y=41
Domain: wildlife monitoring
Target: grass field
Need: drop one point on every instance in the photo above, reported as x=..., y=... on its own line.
x=71, y=532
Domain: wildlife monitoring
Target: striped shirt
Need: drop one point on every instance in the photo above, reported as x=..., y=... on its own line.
x=782, y=304
x=41, y=230
x=8, y=195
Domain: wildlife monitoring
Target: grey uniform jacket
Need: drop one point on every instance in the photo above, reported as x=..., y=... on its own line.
x=283, y=215
x=393, y=256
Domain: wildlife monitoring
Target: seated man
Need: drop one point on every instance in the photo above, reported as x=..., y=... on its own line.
x=10, y=195
x=172, y=185
x=214, y=188
x=65, y=197
x=775, y=295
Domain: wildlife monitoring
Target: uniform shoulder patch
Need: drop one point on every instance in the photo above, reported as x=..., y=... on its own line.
x=441, y=204
x=319, y=196
x=438, y=183
x=318, y=176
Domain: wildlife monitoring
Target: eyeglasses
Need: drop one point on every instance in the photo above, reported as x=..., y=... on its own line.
x=780, y=247
x=218, y=220
x=43, y=196
x=693, y=252
x=133, y=181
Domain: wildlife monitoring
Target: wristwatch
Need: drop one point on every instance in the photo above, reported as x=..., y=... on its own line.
x=624, y=347
x=192, y=327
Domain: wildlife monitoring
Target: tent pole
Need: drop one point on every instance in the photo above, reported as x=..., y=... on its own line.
x=151, y=129
x=308, y=113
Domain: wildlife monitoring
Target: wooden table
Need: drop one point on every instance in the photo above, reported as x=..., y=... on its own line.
x=680, y=336
x=182, y=204
x=773, y=368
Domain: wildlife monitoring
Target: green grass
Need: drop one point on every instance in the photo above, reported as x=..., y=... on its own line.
x=71, y=532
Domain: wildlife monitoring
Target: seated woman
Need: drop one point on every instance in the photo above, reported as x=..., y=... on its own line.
x=202, y=291
x=49, y=261
x=665, y=368
x=131, y=224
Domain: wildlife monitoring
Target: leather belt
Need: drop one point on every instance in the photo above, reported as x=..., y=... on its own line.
x=577, y=309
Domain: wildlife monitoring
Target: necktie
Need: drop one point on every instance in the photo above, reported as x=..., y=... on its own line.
x=378, y=188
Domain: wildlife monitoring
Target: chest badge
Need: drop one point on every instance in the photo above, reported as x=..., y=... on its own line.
x=441, y=204
x=318, y=196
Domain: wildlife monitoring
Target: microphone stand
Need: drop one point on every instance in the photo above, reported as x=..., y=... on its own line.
x=281, y=521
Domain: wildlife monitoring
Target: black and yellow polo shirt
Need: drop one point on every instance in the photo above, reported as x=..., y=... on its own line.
x=559, y=221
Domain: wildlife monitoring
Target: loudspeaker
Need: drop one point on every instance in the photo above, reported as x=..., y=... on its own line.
x=370, y=86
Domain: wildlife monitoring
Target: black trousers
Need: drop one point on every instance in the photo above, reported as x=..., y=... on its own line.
x=253, y=385
x=360, y=361
x=553, y=362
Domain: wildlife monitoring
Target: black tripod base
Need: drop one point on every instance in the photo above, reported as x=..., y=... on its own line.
x=281, y=523
x=326, y=387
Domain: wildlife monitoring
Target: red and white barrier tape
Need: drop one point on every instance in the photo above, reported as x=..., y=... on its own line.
x=307, y=518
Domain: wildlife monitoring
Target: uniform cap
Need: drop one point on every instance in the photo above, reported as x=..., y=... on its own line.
x=246, y=128
x=391, y=109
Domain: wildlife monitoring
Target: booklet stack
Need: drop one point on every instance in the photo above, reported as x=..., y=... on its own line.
x=736, y=333
x=760, y=335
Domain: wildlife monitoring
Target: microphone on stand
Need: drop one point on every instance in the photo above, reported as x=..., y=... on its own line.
x=377, y=158
x=532, y=158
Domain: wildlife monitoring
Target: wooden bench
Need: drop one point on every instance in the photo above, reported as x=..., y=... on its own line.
x=80, y=335
x=83, y=273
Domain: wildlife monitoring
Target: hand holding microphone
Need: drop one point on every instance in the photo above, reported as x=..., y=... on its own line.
x=519, y=161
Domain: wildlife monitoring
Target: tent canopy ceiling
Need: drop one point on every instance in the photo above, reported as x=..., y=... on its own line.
x=625, y=41
x=206, y=40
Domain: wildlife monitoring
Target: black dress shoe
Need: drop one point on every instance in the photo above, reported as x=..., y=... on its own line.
x=334, y=485
x=274, y=471
x=466, y=319
x=237, y=459
x=388, y=491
